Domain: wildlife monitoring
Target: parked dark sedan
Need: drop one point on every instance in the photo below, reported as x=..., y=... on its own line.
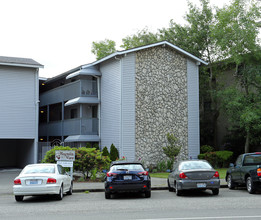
x=127, y=177
x=193, y=174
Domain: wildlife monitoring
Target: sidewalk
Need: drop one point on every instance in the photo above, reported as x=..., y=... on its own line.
x=7, y=177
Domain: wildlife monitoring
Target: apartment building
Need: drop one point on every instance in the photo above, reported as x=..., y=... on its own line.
x=130, y=98
x=19, y=99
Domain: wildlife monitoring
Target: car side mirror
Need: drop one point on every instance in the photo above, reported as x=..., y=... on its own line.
x=231, y=165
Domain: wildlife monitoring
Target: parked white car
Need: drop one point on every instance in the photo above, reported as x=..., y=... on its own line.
x=42, y=179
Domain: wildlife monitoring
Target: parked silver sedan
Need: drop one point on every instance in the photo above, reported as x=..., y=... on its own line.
x=42, y=179
x=193, y=174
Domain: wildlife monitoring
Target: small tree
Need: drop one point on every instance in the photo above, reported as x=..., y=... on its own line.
x=172, y=150
x=105, y=152
x=114, y=153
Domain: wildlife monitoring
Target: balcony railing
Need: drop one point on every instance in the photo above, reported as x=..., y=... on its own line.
x=83, y=126
x=69, y=91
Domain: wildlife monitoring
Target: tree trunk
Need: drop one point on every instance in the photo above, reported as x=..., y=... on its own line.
x=247, y=142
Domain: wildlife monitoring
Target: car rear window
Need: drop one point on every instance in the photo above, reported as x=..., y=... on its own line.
x=254, y=159
x=129, y=167
x=193, y=165
x=38, y=169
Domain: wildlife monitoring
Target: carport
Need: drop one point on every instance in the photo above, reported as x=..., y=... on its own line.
x=17, y=152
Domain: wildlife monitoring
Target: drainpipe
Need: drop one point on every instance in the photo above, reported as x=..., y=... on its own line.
x=36, y=115
x=99, y=107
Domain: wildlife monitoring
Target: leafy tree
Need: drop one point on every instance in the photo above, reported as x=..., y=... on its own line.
x=114, y=153
x=172, y=150
x=103, y=48
x=197, y=38
x=237, y=37
x=143, y=37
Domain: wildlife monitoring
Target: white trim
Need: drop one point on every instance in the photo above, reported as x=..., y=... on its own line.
x=22, y=65
x=146, y=47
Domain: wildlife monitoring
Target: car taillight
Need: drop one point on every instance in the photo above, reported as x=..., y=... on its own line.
x=17, y=182
x=144, y=173
x=258, y=172
x=111, y=174
x=216, y=175
x=183, y=176
x=51, y=181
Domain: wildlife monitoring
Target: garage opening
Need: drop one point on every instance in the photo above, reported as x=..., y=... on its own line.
x=16, y=153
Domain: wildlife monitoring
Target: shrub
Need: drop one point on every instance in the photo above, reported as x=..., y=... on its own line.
x=86, y=160
x=50, y=155
x=206, y=149
x=105, y=152
x=224, y=158
x=218, y=159
x=161, y=166
x=172, y=150
x=114, y=153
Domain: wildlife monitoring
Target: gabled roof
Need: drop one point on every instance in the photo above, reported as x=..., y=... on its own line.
x=162, y=43
x=22, y=62
x=76, y=71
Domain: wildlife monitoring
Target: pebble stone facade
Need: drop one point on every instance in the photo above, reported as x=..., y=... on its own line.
x=161, y=103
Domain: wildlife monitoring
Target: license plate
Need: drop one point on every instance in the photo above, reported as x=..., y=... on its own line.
x=201, y=185
x=33, y=182
x=127, y=177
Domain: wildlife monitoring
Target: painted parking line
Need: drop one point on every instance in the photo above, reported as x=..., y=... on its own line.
x=210, y=217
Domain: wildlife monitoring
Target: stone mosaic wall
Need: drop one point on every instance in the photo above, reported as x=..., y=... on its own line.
x=161, y=102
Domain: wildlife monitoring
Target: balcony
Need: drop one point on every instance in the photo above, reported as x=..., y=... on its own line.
x=80, y=88
x=77, y=126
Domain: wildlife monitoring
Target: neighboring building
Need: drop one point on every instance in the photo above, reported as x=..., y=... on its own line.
x=19, y=98
x=131, y=98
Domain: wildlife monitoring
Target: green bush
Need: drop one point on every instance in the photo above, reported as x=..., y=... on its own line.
x=201, y=156
x=218, y=159
x=161, y=166
x=114, y=153
x=50, y=155
x=172, y=150
x=86, y=160
x=206, y=149
x=105, y=152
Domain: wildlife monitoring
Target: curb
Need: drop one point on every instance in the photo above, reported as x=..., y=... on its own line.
x=152, y=188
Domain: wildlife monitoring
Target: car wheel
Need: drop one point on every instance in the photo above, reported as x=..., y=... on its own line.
x=70, y=190
x=250, y=185
x=230, y=183
x=178, y=191
x=170, y=188
x=19, y=198
x=148, y=194
x=60, y=195
x=107, y=195
x=215, y=191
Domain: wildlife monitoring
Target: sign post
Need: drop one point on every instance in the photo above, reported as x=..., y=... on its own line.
x=65, y=158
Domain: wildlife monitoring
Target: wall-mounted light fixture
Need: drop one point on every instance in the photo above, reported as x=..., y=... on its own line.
x=42, y=112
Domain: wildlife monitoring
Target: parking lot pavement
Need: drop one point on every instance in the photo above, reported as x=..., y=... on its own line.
x=7, y=176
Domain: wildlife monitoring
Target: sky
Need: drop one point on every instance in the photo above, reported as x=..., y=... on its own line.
x=59, y=33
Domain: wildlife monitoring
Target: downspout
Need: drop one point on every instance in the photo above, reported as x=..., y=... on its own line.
x=35, y=159
x=121, y=123
x=99, y=107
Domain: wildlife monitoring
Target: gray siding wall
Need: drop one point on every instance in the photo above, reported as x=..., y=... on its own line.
x=110, y=103
x=18, y=102
x=128, y=107
x=193, y=110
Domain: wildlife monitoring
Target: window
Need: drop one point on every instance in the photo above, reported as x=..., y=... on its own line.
x=74, y=113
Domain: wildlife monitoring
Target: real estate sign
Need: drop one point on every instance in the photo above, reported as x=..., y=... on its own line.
x=65, y=155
